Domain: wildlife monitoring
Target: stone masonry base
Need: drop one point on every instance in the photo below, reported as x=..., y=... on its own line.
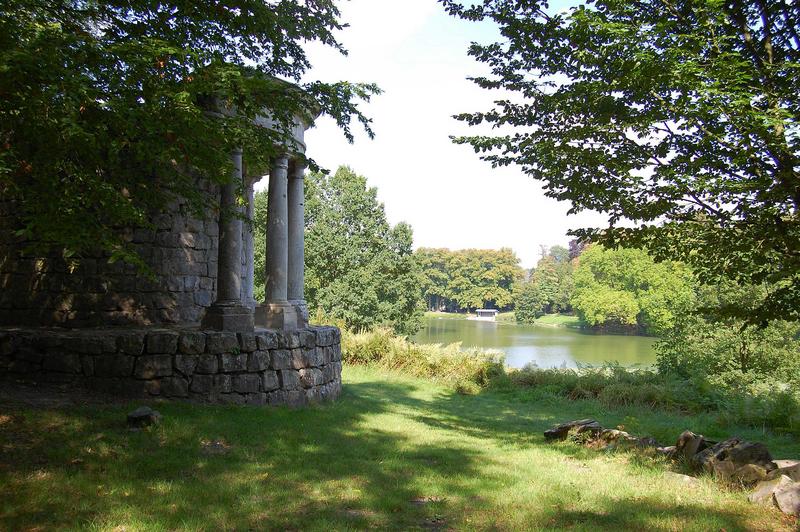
x=267, y=367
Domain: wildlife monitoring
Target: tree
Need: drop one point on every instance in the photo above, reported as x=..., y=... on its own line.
x=104, y=110
x=468, y=279
x=576, y=247
x=626, y=287
x=560, y=254
x=358, y=268
x=434, y=266
x=529, y=302
x=678, y=116
x=483, y=278
x=549, y=288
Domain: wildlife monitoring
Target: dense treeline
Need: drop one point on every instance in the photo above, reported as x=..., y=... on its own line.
x=627, y=288
x=468, y=279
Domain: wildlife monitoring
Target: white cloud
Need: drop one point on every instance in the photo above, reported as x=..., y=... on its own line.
x=417, y=54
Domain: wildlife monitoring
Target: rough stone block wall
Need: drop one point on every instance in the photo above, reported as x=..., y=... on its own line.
x=47, y=290
x=292, y=368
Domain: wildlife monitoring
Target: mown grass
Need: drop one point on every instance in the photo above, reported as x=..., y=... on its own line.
x=560, y=320
x=395, y=452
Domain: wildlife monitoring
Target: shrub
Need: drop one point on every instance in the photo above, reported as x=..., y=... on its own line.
x=731, y=353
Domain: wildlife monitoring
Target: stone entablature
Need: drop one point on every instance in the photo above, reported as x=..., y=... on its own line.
x=265, y=367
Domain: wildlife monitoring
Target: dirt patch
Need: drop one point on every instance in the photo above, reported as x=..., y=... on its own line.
x=421, y=501
x=16, y=394
x=209, y=447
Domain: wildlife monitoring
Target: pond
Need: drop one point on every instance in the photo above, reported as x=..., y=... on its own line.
x=545, y=346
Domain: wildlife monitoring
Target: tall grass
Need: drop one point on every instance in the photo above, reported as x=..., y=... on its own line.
x=767, y=405
x=466, y=370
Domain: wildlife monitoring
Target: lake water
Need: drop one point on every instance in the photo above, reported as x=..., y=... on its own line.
x=545, y=346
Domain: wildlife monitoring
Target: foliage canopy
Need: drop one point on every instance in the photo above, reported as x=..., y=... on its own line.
x=626, y=287
x=469, y=278
x=679, y=116
x=104, y=105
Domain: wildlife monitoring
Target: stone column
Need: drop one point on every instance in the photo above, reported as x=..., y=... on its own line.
x=277, y=262
x=277, y=312
x=248, y=230
x=296, y=282
x=228, y=313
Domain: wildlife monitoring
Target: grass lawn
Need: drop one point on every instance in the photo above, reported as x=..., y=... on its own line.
x=452, y=315
x=559, y=320
x=393, y=453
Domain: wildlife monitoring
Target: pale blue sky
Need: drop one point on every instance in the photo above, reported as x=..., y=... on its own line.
x=417, y=54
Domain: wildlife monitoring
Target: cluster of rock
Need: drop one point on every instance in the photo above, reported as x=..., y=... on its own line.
x=747, y=463
x=262, y=368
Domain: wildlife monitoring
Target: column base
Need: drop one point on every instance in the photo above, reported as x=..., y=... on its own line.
x=302, y=311
x=228, y=317
x=281, y=315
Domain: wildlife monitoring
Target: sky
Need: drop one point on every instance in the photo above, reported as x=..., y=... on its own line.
x=417, y=54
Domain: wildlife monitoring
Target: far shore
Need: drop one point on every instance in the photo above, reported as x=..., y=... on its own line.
x=548, y=320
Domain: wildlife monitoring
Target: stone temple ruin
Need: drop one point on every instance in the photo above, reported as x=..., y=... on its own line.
x=194, y=331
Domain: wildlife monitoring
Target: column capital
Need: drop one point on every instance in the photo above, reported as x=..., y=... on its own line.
x=298, y=170
x=281, y=161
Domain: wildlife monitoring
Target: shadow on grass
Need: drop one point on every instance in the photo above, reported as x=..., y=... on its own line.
x=386, y=455
x=274, y=468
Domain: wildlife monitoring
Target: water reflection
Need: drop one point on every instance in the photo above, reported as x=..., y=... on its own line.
x=547, y=347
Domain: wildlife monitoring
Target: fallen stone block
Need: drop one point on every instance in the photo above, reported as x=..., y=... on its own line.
x=560, y=432
x=762, y=494
x=750, y=474
x=790, y=468
x=787, y=499
x=689, y=444
x=669, y=451
x=613, y=437
x=144, y=416
x=728, y=456
x=645, y=442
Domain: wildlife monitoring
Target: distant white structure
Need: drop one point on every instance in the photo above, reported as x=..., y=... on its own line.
x=483, y=314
